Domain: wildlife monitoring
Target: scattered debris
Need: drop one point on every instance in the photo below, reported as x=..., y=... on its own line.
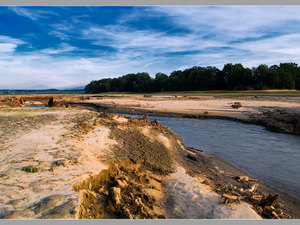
x=268, y=207
x=253, y=188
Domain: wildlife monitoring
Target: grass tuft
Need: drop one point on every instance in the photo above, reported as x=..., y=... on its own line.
x=31, y=169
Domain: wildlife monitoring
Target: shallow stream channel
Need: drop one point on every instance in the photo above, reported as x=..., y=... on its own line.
x=36, y=106
x=273, y=158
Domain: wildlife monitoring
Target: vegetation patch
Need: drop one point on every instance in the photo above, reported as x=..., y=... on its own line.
x=31, y=169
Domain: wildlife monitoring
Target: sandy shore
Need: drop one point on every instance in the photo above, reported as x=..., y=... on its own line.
x=72, y=146
x=280, y=114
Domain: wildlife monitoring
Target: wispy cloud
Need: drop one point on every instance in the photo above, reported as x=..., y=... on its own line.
x=72, y=46
x=33, y=14
x=62, y=48
x=141, y=42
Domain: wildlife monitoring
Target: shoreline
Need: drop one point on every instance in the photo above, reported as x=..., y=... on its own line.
x=275, y=118
x=228, y=174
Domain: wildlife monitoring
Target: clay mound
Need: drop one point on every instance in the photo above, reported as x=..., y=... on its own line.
x=124, y=191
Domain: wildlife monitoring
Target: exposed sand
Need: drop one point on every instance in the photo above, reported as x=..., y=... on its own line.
x=20, y=190
x=188, y=199
x=211, y=106
x=161, y=138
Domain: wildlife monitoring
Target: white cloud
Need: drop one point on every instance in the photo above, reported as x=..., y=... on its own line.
x=33, y=14
x=4, y=47
x=42, y=70
x=8, y=44
x=231, y=21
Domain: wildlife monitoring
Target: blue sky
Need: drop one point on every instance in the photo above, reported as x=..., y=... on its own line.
x=61, y=47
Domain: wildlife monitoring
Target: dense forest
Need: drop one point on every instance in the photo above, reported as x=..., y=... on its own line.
x=231, y=77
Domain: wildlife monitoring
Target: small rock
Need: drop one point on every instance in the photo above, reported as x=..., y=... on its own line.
x=192, y=157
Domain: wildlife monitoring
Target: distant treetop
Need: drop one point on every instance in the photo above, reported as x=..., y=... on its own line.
x=231, y=77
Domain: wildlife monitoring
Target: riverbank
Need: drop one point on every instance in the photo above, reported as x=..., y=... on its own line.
x=74, y=151
x=275, y=113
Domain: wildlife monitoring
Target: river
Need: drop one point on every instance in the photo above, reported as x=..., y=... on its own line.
x=273, y=158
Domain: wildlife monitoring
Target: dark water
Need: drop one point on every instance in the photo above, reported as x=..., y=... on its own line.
x=271, y=157
x=36, y=106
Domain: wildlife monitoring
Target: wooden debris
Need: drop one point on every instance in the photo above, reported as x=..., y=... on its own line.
x=256, y=198
x=268, y=201
x=229, y=196
x=253, y=188
x=244, y=178
x=269, y=208
x=266, y=206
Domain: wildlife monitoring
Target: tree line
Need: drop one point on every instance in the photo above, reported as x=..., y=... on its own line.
x=231, y=77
